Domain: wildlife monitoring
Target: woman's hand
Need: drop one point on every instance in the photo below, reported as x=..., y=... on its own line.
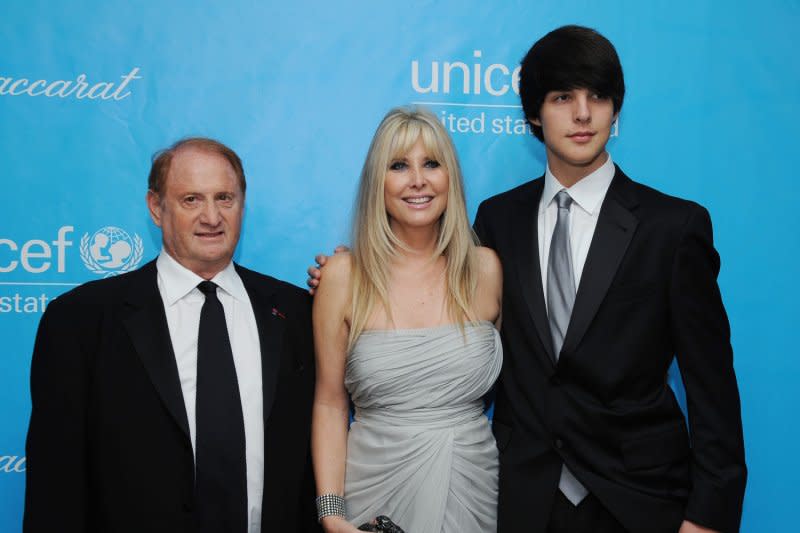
x=337, y=524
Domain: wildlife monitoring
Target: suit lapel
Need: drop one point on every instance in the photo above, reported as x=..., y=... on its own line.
x=615, y=228
x=146, y=324
x=524, y=220
x=271, y=325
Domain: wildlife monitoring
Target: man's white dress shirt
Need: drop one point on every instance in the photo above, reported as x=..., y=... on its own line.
x=587, y=195
x=182, y=304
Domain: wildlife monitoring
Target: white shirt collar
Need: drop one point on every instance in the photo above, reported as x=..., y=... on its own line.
x=180, y=281
x=588, y=192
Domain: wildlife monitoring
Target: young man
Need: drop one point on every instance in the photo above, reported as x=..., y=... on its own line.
x=606, y=281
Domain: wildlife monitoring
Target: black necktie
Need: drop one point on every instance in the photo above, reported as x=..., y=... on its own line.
x=220, y=466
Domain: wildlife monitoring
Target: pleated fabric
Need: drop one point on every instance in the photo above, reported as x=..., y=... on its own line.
x=420, y=449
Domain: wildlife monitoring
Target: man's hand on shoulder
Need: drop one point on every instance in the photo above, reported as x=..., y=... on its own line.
x=691, y=527
x=315, y=271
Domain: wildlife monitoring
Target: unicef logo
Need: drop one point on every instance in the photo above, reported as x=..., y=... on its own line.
x=111, y=251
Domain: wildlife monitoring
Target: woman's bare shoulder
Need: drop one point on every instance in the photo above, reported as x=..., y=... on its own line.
x=489, y=294
x=333, y=293
x=488, y=263
x=337, y=269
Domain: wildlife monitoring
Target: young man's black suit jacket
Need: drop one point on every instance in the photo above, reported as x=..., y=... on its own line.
x=648, y=292
x=108, y=444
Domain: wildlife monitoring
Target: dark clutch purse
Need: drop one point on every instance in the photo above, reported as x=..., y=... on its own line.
x=382, y=523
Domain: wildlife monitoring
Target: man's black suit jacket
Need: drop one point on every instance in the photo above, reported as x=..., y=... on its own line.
x=648, y=292
x=108, y=447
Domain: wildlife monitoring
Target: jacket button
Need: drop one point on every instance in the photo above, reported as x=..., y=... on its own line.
x=559, y=443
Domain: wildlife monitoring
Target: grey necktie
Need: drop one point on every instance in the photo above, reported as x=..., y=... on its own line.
x=560, y=299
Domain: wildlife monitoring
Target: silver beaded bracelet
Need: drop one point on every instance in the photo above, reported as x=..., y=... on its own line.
x=330, y=505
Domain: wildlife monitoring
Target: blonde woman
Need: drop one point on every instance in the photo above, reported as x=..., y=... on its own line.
x=405, y=327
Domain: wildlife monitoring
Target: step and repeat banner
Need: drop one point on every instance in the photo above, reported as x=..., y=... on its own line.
x=89, y=90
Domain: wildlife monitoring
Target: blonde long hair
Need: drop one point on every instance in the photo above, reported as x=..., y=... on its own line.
x=374, y=242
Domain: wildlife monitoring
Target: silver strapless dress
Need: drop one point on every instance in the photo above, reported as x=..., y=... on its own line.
x=420, y=449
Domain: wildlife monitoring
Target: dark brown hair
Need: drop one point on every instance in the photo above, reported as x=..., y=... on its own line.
x=570, y=57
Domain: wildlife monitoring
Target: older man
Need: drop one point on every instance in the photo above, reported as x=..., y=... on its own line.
x=175, y=398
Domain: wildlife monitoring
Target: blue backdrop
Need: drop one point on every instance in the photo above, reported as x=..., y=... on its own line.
x=89, y=90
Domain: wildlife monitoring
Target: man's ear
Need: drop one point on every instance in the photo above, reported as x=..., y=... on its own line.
x=154, y=206
x=535, y=121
